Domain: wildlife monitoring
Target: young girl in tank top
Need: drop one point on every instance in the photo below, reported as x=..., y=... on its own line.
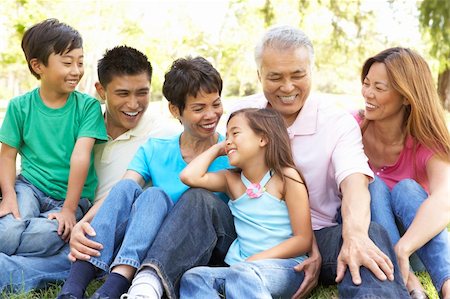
x=269, y=202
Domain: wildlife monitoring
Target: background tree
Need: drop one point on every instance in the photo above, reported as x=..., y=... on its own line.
x=435, y=22
x=344, y=34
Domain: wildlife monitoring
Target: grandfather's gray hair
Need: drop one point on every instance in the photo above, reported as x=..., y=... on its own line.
x=283, y=37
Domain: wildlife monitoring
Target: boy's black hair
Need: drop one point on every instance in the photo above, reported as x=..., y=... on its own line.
x=189, y=76
x=47, y=37
x=122, y=60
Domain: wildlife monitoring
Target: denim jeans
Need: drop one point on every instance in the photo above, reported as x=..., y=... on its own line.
x=197, y=232
x=127, y=222
x=22, y=274
x=329, y=241
x=399, y=206
x=263, y=279
x=34, y=234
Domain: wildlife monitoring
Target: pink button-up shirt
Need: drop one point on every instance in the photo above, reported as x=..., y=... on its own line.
x=327, y=147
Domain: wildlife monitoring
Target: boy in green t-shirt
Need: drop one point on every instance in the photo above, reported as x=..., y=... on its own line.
x=53, y=128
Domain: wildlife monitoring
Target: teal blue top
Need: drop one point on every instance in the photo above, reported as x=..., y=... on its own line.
x=261, y=223
x=160, y=161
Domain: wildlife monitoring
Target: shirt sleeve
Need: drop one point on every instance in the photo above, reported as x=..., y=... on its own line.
x=423, y=155
x=12, y=128
x=142, y=160
x=348, y=156
x=92, y=124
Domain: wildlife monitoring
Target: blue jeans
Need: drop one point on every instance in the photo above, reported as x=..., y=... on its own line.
x=34, y=234
x=329, y=240
x=22, y=274
x=198, y=232
x=127, y=223
x=400, y=206
x=261, y=279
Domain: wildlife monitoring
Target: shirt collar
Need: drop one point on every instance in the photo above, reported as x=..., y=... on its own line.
x=307, y=119
x=139, y=130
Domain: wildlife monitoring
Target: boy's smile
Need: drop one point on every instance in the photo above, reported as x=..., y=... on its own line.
x=60, y=76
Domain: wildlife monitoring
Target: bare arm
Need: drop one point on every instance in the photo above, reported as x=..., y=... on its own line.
x=432, y=217
x=196, y=173
x=299, y=214
x=83, y=248
x=8, y=205
x=79, y=166
x=358, y=249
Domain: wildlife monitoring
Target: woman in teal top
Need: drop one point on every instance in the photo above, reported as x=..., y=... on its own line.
x=271, y=216
x=129, y=219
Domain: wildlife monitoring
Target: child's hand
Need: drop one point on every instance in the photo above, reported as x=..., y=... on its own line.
x=66, y=221
x=221, y=146
x=9, y=206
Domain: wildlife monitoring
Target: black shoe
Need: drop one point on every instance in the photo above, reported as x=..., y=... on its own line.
x=99, y=296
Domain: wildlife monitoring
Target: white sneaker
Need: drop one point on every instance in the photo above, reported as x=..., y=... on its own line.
x=126, y=296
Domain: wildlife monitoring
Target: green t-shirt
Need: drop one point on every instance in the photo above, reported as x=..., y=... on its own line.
x=45, y=139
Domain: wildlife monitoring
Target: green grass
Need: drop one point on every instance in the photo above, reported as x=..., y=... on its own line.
x=48, y=293
x=320, y=292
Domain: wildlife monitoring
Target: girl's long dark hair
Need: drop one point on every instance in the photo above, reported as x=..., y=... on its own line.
x=270, y=124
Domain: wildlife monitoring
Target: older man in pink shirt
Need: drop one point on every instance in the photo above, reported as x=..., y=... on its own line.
x=327, y=148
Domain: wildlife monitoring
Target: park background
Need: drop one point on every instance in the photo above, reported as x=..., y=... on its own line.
x=344, y=33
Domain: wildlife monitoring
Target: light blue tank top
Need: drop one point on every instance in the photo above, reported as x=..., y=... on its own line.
x=261, y=223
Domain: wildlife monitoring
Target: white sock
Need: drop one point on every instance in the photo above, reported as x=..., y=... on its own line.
x=146, y=284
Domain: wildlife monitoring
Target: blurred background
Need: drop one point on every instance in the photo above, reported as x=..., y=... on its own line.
x=344, y=33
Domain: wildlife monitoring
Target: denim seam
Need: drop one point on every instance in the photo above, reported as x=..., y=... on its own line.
x=125, y=261
x=277, y=267
x=99, y=264
x=24, y=282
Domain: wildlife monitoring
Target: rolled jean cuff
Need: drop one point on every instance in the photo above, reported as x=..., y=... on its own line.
x=165, y=281
x=99, y=264
x=125, y=261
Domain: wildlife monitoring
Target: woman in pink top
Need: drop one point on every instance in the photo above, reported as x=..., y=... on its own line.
x=408, y=146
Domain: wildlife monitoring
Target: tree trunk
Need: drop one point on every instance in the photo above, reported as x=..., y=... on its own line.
x=444, y=88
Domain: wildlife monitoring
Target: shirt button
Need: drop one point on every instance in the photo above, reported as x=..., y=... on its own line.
x=378, y=173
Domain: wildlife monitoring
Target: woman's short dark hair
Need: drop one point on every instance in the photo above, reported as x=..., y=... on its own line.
x=187, y=77
x=47, y=37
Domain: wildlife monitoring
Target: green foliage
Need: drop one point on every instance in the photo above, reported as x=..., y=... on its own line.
x=435, y=20
x=344, y=34
x=267, y=13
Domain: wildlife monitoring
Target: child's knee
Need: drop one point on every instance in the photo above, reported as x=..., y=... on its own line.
x=11, y=230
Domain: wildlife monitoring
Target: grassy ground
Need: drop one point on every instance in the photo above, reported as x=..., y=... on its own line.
x=320, y=292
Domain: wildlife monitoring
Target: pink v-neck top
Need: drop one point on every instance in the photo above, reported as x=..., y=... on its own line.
x=409, y=165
